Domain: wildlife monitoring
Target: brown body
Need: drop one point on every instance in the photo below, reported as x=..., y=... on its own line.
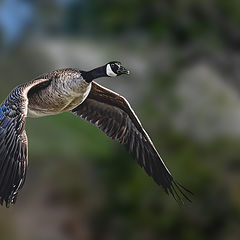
x=64, y=92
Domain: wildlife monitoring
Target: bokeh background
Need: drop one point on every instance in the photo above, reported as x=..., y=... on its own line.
x=184, y=57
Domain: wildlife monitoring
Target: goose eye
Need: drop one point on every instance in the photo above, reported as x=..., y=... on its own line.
x=112, y=65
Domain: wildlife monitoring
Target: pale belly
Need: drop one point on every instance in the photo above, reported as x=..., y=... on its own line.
x=66, y=103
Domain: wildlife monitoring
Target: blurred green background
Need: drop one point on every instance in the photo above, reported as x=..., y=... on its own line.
x=184, y=57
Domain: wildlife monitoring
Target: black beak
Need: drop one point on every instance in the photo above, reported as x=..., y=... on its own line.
x=123, y=70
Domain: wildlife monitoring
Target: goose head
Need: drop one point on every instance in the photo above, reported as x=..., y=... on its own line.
x=115, y=68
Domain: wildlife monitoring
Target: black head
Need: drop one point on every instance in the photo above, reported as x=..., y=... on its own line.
x=115, y=68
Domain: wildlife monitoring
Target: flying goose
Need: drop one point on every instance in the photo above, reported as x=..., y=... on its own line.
x=73, y=90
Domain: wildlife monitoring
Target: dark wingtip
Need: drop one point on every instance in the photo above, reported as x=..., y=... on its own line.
x=7, y=201
x=180, y=193
x=3, y=202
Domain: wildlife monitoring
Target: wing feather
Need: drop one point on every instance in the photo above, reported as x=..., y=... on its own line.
x=112, y=114
x=13, y=142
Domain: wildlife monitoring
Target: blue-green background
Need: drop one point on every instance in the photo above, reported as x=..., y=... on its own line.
x=184, y=57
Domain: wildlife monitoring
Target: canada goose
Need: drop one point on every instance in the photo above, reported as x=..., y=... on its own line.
x=73, y=90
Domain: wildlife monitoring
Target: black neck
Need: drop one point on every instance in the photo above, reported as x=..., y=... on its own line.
x=95, y=73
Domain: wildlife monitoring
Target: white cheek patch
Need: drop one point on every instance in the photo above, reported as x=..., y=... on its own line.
x=110, y=72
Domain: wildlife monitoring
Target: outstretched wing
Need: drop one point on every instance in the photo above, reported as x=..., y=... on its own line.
x=13, y=142
x=113, y=115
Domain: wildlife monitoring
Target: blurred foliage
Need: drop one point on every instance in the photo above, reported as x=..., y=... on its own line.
x=180, y=21
x=75, y=168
